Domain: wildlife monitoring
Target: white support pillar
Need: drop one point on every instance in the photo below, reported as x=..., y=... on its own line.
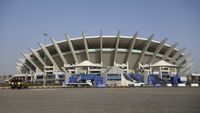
x=59, y=51
x=71, y=49
x=67, y=75
x=44, y=49
x=177, y=55
x=132, y=43
x=183, y=58
x=19, y=66
x=143, y=51
x=187, y=69
x=186, y=62
x=29, y=59
x=127, y=68
x=19, y=69
x=23, y=63
x=37, y=56
x=101, y=48
x=116, y=47
x=157, y=50
x=86, y=46
x=160, y=72
x=184, y=70
x=168, y=52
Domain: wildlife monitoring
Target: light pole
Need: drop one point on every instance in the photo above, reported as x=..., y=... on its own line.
x=44, y=76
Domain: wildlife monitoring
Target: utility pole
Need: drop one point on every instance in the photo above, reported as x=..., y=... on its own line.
x=44, y=76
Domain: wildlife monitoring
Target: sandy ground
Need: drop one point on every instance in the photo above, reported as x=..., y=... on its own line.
x=101, y=100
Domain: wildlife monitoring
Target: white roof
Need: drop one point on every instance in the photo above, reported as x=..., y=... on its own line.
x=86, y=63
x=195, y=74
x=162, y=63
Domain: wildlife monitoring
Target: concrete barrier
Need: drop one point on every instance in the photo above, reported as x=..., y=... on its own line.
x=194, y=85
x=181, y=85
x=169, y=85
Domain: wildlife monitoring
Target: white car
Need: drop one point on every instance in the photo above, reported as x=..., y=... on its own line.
x=136, y=84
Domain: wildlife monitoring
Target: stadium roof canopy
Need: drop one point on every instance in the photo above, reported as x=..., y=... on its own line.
x=102, y=50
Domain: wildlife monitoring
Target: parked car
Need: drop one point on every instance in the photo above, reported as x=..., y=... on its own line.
x=18, y=82
x=136, y=84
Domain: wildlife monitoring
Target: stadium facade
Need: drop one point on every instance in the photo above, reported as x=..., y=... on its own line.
x=95, y=54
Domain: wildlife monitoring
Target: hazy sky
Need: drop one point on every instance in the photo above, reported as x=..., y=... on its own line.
x=23, y=21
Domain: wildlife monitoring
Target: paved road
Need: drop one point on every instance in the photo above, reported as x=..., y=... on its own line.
x=102, y=100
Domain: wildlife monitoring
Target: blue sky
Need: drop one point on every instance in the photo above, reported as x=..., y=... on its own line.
x=23, y=21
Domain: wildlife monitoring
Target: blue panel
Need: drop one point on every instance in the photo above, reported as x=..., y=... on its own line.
x=73, y=79
x=113, y=77
x=88, y=76
x=152, y=79
x=137, y=77
x=175, y=79
x=98, y=81
x=61, y=74
x=96, y=78
x=51, y=75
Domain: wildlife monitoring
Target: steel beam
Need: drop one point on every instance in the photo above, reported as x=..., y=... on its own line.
x=71, y=49
x=157, y=50
x=143, y=51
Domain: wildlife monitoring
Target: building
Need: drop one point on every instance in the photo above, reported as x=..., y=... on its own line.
x=5, y=78
x=193, y=77
x=92, y=54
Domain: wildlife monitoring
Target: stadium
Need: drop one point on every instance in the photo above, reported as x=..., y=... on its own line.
x=109, y=60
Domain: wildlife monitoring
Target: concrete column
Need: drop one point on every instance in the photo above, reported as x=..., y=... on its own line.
x=157, y=50
x=59, y=51
x=177, y=55
x=101, y=48
x=37, y=56
x=116, y=47
x=71, y=49
x=143, y=51
x=23, y=63
x=86, y=46
x=133, y=40
x=168, y=52
x=180, y=61
x=44, y=49
x=29, y=59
